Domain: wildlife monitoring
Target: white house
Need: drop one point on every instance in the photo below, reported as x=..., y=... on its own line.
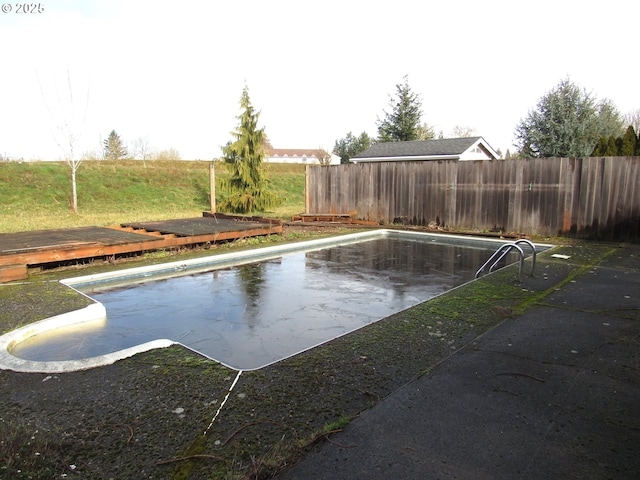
x=304, y=156
x=466, y=148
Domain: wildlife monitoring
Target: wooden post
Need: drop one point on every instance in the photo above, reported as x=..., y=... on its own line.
x=212, y=183
x=306, y=189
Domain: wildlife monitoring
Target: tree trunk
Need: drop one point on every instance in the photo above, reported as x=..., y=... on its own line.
x=74, y=194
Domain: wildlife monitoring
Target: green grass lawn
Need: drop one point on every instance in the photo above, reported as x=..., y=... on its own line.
x=36, y=195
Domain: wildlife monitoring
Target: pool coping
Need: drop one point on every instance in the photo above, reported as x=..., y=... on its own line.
x=97, y=312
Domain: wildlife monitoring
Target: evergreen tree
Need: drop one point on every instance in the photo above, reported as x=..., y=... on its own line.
x=228, y=154
x=568, y=122
x=351, y=145
x=624, y=146
x=629, y=142
x=248, y=183
x=618, y=146
x=612, y=147
x=403, y=122
x=601, y=147
x=114, y=149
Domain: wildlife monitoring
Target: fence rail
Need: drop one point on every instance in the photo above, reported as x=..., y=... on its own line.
x=585, y=197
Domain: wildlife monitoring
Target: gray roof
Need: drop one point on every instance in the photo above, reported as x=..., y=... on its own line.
x=419, y=148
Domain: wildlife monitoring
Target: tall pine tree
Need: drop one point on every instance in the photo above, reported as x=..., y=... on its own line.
x=629, y=141
x=403, y=122
x=601, y=147
x=248, y=184
x=612, y=147
x=114, y=148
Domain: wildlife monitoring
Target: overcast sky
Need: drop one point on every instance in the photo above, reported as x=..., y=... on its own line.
x=172, y=72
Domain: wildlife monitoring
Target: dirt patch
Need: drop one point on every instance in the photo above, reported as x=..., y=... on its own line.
x=146, y=416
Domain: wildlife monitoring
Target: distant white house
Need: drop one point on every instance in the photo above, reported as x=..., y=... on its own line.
x=466, y=148
x=305, y=156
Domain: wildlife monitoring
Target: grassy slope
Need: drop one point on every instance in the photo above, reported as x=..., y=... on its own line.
x=37, y=195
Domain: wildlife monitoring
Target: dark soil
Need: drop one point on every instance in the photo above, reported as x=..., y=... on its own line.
x=146, y=416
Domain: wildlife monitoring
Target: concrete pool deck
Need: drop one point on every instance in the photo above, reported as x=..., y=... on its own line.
x=550, y=394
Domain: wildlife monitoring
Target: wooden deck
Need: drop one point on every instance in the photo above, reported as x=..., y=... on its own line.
x=21, y=250
x=331, y=218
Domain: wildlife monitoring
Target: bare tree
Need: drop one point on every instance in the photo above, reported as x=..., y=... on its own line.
x=459, y=131
x=167, y=154
x=141, y=150
x=324, y=158
x=91, y=155
x=633, y=118
x=425, y=132
x=68, y=126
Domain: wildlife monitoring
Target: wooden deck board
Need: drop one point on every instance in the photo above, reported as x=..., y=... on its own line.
x=42, y=247
x=187, y=227
x=21, y=242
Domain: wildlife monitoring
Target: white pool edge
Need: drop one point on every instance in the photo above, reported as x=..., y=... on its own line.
x=97, y=312
x=90, y=313
x=211, y=261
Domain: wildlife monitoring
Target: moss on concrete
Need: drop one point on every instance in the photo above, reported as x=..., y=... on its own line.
x=146, y=416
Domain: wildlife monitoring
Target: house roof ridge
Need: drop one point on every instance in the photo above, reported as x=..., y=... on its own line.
x=293, y=150
x=434, y=148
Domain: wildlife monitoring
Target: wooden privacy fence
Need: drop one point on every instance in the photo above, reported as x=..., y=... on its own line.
x=585, y=197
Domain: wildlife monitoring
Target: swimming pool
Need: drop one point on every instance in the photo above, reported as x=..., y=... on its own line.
x=252, y=309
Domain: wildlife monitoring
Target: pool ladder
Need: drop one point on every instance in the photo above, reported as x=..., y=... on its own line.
x=504, y=250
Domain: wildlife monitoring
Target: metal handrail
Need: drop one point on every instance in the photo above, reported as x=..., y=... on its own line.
x=506, y=249
x=503, y=251
x=533, y=252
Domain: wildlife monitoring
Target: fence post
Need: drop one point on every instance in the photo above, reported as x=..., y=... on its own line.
x=212, y=184
x=306, y=189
